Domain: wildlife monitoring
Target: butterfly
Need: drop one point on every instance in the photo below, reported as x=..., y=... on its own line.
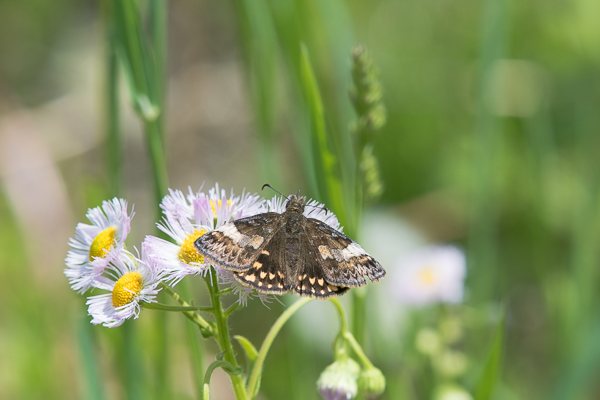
x=282, y=252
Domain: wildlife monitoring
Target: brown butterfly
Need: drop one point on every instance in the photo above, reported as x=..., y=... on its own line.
x=281, y=252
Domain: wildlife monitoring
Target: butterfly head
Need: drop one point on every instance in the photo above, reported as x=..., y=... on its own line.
x=295, y=203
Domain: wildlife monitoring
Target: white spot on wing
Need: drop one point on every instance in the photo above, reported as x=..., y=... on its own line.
x=232, y=233
x=239, y=238
x=353, y=250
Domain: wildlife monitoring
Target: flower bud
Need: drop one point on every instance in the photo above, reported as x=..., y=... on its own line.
x=339, y=380
x=372, y=382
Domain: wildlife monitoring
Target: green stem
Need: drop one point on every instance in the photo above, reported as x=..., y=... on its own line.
x=196, y=347
x=358, y=350
x=341, y=314
x=158, y=161
x=256, y=373
x=223, y=335
x=111, y=105
x=482, y=241
x=133, y=374
x=89, y=361
x=348, y=336
x=196, y=358
x=157, y=15
x=359, y=310
x=206, y=329
x=217, y=364
x=166, y=307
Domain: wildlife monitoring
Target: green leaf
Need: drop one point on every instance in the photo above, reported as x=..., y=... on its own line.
x=330, y=185
x=484, y=389
x=249, y=349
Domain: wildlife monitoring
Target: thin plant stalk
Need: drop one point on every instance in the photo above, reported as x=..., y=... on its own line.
x=255, y=374
x=258, y=42
x=133, y=375
x=87, y=350
x=482, y=247
x=224, y=336
x=144, y=62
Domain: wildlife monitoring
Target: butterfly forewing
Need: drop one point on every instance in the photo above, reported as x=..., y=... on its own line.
x=236, y=245
x=343, y=261
x=268, y=273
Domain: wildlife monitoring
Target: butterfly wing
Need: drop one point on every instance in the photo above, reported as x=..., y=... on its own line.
x=310, y=279
x=288, y=263
x=236, y=245
x=268, y=273
x=343, y=262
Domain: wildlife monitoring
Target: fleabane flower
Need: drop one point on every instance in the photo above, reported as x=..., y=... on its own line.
x=94, y=245
x=127, y=282
x=433, y=274
x=312, y=209
x=216, y=207
x=185, y=219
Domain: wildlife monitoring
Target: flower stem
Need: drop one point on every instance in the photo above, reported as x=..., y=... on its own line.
x=256, y=373
x=359, y=297
x=154, y=139
x=166, y=307
x=348, y=336
x=206, y=329
x=358, y=350
x=223, y=335
x=341, y=314
x=89, y=361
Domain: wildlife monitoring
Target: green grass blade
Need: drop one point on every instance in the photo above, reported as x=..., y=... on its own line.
x=330, y=185
x=486, y=385
x=257, y=37
x=89, y=361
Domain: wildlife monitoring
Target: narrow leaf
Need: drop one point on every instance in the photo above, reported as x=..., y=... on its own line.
x=484, y=389
x=248, y=348
x=330, y=185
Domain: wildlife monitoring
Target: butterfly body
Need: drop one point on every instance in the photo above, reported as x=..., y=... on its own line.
x=281, y=252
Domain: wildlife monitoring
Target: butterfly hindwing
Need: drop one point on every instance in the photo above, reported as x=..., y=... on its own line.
x=343, y=262
x=236, y=245
x=310, y=279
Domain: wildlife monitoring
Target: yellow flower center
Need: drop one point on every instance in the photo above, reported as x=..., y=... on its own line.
x=218, y=204
x=103, y=242
x=188, y=252
x=127, y=288
x=427, y=276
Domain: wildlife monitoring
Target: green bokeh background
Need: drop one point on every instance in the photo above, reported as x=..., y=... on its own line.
x=491, y=143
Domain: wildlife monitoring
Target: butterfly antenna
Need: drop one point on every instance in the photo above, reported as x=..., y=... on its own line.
x=266, y=185
x=322, y=207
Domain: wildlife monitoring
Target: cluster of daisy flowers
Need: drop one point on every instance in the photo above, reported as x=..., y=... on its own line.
x=117, y=280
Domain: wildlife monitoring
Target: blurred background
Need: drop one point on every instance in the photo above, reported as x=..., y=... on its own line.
x=491, y=144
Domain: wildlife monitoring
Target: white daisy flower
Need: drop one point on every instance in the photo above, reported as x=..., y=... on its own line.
x=185, y=219
x=216, y=207
x=128, y=281
x=312, y=209
x=94, y=245
x=431, y=275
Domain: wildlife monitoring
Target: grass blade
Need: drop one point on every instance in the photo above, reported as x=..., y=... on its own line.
x=484, y=389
